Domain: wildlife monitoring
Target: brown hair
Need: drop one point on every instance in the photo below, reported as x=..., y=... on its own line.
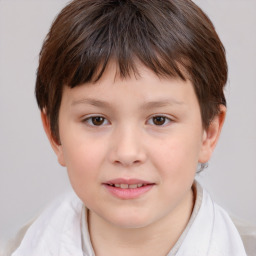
x=168, y=36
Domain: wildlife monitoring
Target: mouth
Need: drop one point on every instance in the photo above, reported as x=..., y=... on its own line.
x=128, y=189
x=126, y=186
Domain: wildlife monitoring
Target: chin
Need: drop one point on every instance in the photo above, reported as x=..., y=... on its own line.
x=130, y=221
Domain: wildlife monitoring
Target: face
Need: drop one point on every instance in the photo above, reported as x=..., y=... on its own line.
x=132, y=146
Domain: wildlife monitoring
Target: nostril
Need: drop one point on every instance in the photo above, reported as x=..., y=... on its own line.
x=127, y=163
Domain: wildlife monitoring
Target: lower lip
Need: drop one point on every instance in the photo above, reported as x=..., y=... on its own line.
x=128, y=193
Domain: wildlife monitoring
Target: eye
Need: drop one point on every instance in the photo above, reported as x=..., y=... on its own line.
x=96, y=121
x=159, y=120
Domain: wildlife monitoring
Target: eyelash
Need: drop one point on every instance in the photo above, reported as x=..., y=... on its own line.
x=89, y=120
x=166, y=120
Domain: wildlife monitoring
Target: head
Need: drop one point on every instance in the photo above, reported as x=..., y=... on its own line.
x=172, y=38
x=167, y=62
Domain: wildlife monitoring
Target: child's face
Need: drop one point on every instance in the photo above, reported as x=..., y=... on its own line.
x=145, y=131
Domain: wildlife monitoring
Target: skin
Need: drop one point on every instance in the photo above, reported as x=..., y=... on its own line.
x=130, y=142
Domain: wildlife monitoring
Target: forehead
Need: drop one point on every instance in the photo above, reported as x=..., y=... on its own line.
x=143, y=87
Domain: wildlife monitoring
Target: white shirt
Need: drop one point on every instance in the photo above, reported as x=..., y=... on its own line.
x=62, y=230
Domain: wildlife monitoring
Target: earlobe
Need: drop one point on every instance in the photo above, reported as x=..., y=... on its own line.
x=211, y=135
x=56, y=146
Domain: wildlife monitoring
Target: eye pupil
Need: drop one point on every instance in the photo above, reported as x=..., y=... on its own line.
x=98, y=120
x=159, y=120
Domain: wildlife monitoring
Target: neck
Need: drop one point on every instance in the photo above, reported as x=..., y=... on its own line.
x=155, y=239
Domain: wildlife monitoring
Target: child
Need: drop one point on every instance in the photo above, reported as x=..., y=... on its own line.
x=131, y=99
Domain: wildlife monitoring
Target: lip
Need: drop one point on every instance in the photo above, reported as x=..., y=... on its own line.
x=128, y=193
x=127, y=181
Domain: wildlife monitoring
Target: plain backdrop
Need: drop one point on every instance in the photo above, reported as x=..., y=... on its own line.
x=29, y=174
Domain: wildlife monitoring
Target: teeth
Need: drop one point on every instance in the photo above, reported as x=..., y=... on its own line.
x=125, y=186
x=133, y=186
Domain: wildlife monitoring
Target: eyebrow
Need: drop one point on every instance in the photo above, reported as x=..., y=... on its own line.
x=161, y=103
x=93, y=102
x=146, y=104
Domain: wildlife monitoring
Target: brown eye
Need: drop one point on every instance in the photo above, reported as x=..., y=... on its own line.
x=97, y=120
x=159, y=120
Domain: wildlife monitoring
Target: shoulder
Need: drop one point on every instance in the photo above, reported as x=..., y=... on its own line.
x=248, y=235
x=233, y=232
x=48, y=224
x=14, y=243
x=235, y=228
x=216, y=225
x=212, y=232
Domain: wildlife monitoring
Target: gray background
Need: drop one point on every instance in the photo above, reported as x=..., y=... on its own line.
x=29, y=174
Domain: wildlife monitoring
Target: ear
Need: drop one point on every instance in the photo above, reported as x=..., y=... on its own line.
x=56, y=146
x=211, y=135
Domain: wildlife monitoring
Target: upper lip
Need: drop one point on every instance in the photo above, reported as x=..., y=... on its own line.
x=127, y=181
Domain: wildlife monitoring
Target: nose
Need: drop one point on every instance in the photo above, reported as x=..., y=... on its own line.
x=127, y=147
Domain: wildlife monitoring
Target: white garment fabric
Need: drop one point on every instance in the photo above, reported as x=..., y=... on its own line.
x=58, y=232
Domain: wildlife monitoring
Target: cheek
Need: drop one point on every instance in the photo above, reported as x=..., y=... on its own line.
x=178, y=156
x=83, y=161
